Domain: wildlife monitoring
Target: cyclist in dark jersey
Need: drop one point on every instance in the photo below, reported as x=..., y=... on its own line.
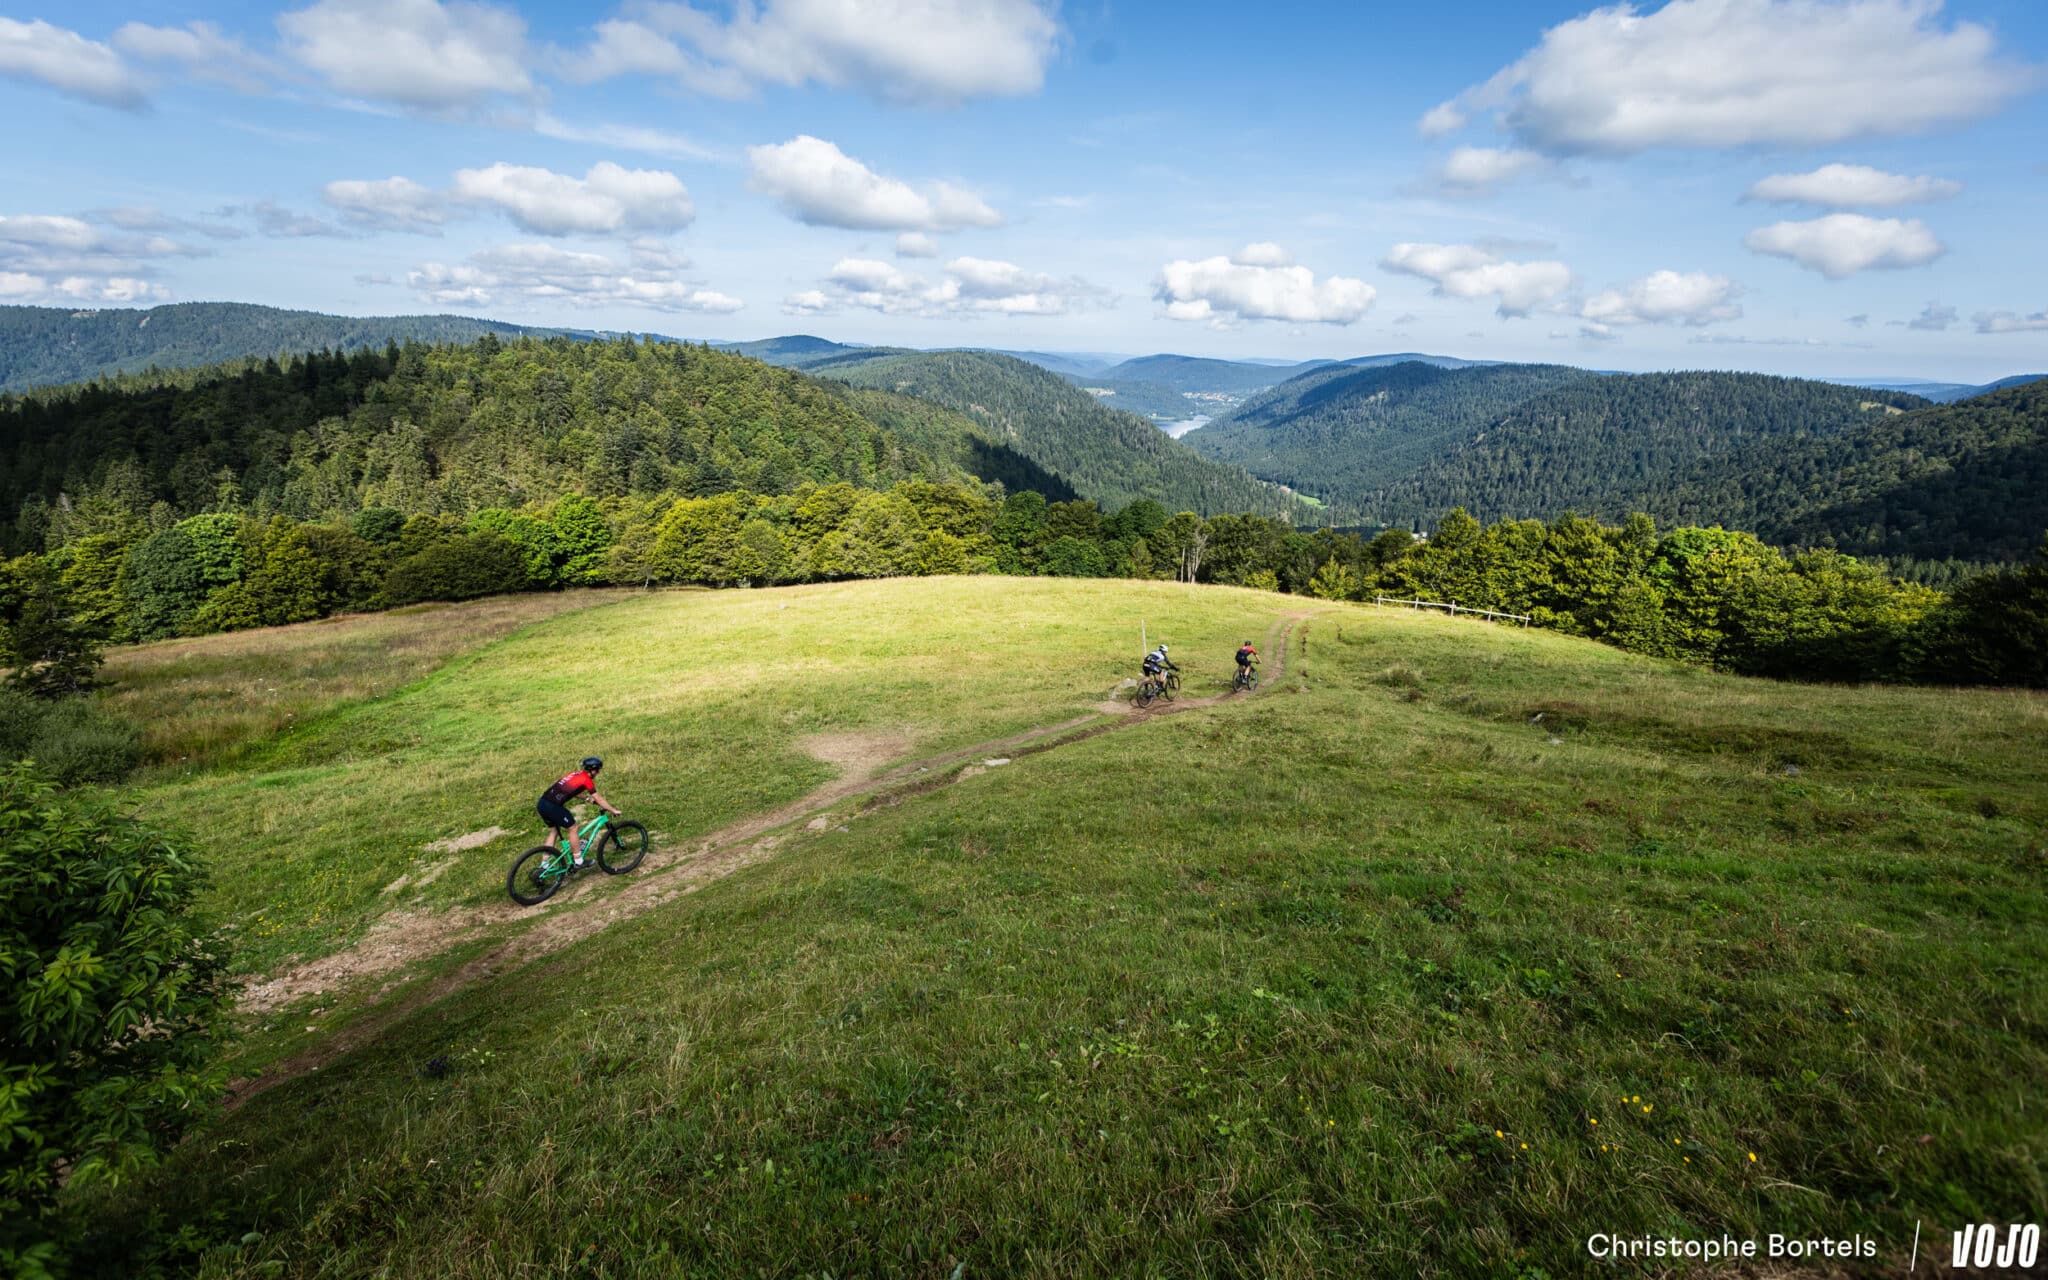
x=555, y=801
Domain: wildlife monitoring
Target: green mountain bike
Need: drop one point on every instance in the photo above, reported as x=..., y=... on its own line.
x=616, y=845
x=1247, y=680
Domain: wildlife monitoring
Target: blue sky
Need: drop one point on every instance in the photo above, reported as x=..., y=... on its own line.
x=1829, y=187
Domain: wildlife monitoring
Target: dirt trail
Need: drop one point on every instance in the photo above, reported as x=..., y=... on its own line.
x=403, y=938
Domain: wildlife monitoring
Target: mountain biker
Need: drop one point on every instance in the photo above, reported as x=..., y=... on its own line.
x=554, y=803
x=1247, y=658
x=1156, y=665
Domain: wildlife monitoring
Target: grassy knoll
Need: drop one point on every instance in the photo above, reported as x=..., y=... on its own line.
x=703, y=704
x=199, y=700
x=1377, y=973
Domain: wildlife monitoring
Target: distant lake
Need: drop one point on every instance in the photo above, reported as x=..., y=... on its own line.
x=1185, y=425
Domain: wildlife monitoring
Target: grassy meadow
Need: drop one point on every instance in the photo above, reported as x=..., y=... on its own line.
x=1450, y=947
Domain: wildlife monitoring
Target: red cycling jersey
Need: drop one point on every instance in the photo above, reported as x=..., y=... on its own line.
x=569, y=787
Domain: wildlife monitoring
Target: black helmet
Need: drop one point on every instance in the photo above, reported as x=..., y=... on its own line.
x=591, y=764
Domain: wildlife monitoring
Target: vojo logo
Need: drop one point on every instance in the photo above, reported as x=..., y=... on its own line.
x=1986, y=1248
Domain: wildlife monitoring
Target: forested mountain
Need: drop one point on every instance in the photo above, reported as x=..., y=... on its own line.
x=457, y=429
x=49, y=346
x=1197, y=373
x=1153, y=400
x=1340, y=431
x=1942, y=392
x=1610, y=445
x=1104, y=454
x=1967, y=481
x=796, y=351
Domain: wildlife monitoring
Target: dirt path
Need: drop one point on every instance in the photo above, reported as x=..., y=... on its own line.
x=402, y=938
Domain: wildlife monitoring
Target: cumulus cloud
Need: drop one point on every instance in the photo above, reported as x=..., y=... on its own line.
x=147, y=217
x=1480, y=171
x=391, y=204
x=420, y=54
x=1933, y=316
x=1842, y=244
x=67, y=62
x=1259, y=282
x=821, y=185
x=200, y=50
x=811, y=302
x=1479, y=271
x=1849, y=186
x=897, y=50
x=916, y=244
x=605, y=200
x=2009, y=322
x=968, y=285
x=58, y=258
x=1731, y=73
x=278, y=221
x=1664, y=297
x=543, y=272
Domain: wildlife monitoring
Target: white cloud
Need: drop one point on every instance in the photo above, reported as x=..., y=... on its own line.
x=1263, y=253
x=605, y=200
x=420, y=54
x=398, y=204
x=67, y=62
x=631, y=137
x=1445, y=117
x=916, y=244
x=1477, y=271
x=899, y=50
x=2009, y=322
x=1480, y=171
x=1731, y=73
x=1663, y=297
x=1933, y=316
x=200, y=50
x=274, y=219
x=823, y=186
x=811, y=302
x=1257, y=284
x=1848, y=186
x=968, y=285
x=1842, y=244
x=546, y=273
x=56, y=258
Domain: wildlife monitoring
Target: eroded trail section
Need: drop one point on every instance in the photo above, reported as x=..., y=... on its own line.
x=403, y=938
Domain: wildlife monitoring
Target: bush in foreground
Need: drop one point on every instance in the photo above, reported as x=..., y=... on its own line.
x=113, y=1001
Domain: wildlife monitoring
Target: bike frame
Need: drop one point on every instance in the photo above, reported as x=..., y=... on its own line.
x=588, y=831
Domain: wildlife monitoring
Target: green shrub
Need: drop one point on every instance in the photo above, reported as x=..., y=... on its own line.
x=71, y=741
x=112, y=1002
x=461, y=568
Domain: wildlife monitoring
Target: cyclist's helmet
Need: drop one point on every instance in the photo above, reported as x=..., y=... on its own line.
x=1162, y=646
x=591, y=764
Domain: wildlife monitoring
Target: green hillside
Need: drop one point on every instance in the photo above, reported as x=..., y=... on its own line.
x=1341, y=431
x=49, y=346
x=1967, y=480
x=1110, y=456
x=1197, y=373
x=456, y=429
x=1610, y=445
x=1455, y=945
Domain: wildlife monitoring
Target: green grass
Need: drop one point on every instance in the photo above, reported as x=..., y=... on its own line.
x=200, y=700
x=701, y=704
x=1335, y=981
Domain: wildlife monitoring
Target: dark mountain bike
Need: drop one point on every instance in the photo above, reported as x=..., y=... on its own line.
x=1246, y=681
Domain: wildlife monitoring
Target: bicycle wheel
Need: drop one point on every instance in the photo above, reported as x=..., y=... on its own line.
x=1172, y=682
x=621, y=847
x=535, y=877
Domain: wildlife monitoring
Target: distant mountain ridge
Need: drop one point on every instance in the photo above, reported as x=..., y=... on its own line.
x=52, y=346
x=1939, y=392
x=1110, y=456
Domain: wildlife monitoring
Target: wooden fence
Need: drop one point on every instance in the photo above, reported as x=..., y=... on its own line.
x=1454, y=608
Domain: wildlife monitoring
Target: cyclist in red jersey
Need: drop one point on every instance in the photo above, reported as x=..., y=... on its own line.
x=555, y=801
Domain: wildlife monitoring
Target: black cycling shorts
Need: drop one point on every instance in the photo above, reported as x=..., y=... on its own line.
x=555, y=815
